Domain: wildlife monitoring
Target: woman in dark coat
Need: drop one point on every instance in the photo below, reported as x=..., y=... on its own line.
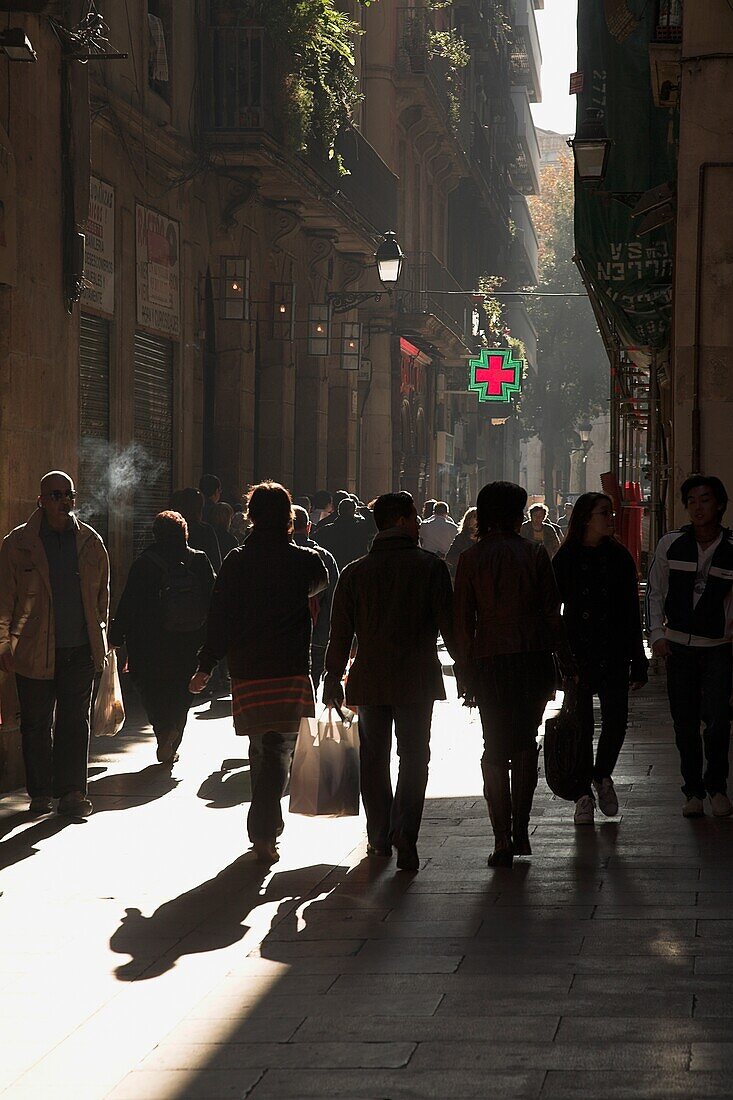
x=465, y=538
x=600, y=593
x=507, y=617
x=160, y=618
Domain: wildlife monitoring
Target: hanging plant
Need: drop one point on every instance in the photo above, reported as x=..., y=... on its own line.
x=452, y=47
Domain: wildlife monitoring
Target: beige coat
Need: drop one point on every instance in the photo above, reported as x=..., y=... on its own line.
x=26, y=606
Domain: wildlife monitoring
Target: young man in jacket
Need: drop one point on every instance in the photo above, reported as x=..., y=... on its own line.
x=320, y=605
x=54, y=606
x=690, y=622
x=395, y=600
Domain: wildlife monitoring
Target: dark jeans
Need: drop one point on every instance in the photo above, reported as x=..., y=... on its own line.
x=270, y=757
x=612, y=688
x=56, y=764
x=699, y=688
x=166, y=701
x=318, y=657
x=397, y=816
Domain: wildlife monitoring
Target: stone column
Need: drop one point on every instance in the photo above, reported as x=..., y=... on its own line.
x=376, y=474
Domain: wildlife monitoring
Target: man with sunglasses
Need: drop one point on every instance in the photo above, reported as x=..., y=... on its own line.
x=54, y=607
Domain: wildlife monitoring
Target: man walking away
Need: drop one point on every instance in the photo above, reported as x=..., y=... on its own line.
x=210, y=489
x=260, y=620
x=690, y=622
x=395, y=600
x=348, y=537
x=54, y=605
x=320, y=605
x=322, y=507
x=201, y=536
x=438, y=532
x=427, y=509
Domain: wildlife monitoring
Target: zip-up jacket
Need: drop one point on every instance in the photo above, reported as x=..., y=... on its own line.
x=27, y=626
x=690, y=591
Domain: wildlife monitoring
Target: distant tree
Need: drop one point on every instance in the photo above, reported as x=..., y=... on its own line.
x=571, y=384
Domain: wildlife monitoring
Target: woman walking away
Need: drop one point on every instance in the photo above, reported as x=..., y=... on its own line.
x=600, y=592
x=260, y=620
x=160, y=618
x=465, y=538
x=507, y=610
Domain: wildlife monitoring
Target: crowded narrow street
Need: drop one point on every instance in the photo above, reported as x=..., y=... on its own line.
x=146, y=954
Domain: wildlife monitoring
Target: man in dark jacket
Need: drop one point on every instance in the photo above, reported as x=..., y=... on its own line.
x=690, y=623
x=395, y=600
x=320, y=605
x=348, y=537
x=201, y=536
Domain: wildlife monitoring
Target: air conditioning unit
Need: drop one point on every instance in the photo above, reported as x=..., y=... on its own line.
x=445, y=451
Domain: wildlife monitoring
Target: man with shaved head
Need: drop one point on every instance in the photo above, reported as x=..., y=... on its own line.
x=54, y=606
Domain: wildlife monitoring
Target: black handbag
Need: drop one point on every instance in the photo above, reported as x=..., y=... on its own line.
x=564, y=750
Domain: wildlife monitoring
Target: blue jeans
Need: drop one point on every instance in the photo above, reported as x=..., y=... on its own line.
x=270, y=757
x=699, y=688
x=56, y=764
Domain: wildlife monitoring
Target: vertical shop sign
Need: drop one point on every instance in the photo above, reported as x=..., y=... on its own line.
x=98, y=291
x=157, y=252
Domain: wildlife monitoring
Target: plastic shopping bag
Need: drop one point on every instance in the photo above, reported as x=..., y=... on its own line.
x=565, y=749
x=109, y=711
x=324, y=779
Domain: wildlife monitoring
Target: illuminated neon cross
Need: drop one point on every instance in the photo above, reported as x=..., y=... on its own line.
x=496, y=374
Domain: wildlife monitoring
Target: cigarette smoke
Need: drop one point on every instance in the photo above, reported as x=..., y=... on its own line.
x=109, y=476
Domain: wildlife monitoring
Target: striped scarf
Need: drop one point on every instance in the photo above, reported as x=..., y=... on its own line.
x=277, y=706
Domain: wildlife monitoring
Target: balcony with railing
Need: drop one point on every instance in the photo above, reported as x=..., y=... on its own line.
x=668, y=26
x=486, y=145
x=526, y=170
x=433, y=304
x=526, y=52
x=247, y=122
x=525, y=245
x=665, y=53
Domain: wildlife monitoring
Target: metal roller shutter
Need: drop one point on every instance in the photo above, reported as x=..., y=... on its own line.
x=94, y=421
x=153, y=398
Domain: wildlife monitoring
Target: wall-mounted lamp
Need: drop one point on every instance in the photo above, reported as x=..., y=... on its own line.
x=319, y=329
x=389, y=259
x=591, y=147
x=16, y=45
x=235, y=288
x=350, y=345
x=283, y=311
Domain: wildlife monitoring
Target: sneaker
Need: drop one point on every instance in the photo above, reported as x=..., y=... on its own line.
x=721, y=804
x=166, y=750
x=75, y=804
x=694, y=807
x=41, y=804
x=607, y=800
x=584, y=810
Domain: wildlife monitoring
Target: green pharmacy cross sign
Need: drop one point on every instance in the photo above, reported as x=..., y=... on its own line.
x=496, y=374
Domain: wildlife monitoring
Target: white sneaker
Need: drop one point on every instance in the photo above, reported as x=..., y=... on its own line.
x=584, y=808
x=694, y=807
x=721, y=804
x=607, y=800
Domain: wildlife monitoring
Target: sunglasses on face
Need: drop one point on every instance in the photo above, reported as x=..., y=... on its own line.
x=60, y=494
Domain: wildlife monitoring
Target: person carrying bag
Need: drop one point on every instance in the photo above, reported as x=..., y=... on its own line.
x=324, y=780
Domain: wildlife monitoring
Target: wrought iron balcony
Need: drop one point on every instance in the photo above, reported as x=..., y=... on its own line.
x=525, y=246
x=526, y=52
x=417, y=56
x=526, y=171
x=435, y=303
x=669, y=21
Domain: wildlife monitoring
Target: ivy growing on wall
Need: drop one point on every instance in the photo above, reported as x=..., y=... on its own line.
x=451, y=46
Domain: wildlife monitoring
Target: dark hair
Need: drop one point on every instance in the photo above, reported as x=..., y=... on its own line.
x=390, y=507
x=539, y=508
x=322, y=499
x=301, y=519
x=209, y=484
x=270, y=507
x=221, y=515
x=428, y=508
x=304, y=502
x=170, y=527
x=190, y=503
x=440, y=509
x=347, y=507
x=499, y=507
x=582, y=511
x=714, y=484
x=469, y=516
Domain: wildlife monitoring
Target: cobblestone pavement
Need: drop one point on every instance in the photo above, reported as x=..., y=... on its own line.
x=143, y=955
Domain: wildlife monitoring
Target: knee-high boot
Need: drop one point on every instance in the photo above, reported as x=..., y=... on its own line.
x=498, y=798
x=524, y=783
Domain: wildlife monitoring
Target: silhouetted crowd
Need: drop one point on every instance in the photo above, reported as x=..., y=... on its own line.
x=276, y=601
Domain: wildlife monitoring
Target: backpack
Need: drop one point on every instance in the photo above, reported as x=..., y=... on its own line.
x=181, y=600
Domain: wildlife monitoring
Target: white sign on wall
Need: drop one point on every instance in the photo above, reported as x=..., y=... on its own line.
x=157, y=257
x=98, y=290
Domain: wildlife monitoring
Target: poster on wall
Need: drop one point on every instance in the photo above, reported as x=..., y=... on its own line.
x=157, y=260
x=98, y=291
x=8, y=246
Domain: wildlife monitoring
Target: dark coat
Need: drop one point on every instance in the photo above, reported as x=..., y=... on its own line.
x=260, y=615
x=226, y=541
x=202, y=536
x=347, y=538
x=506, y=601
x=325, y=600
x=395, y=600
x=462, y=541
x=153, y=652
x=600, y=592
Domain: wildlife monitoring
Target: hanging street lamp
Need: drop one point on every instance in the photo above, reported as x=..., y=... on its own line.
x=591, y=148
